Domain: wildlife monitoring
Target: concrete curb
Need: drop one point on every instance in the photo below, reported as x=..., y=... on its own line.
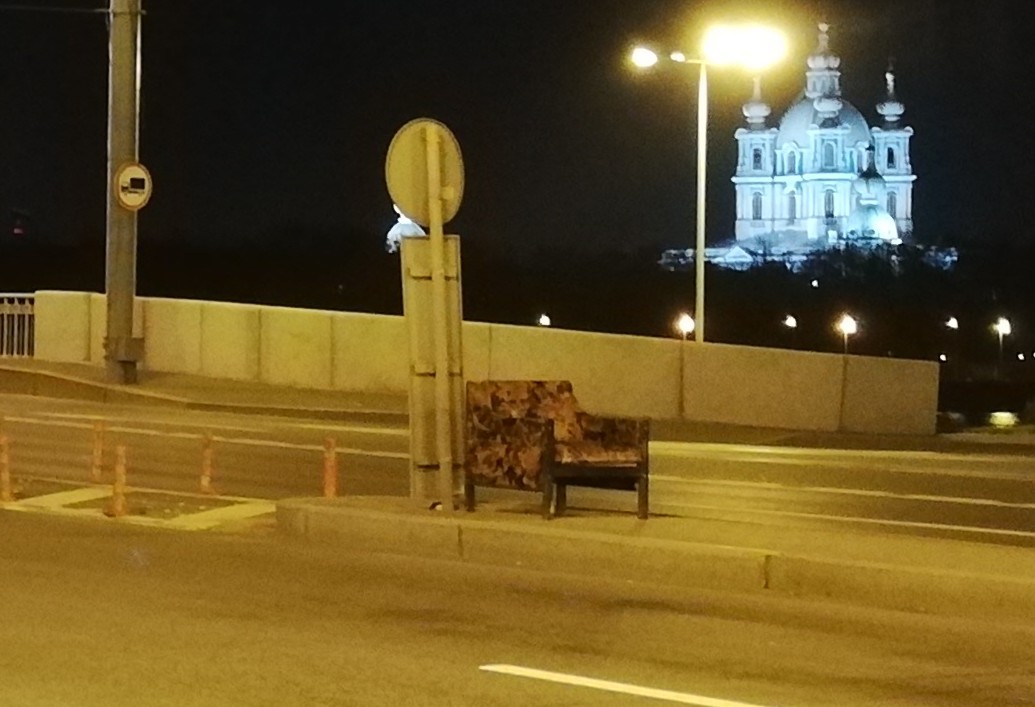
x=658, y=561
x=20, y=381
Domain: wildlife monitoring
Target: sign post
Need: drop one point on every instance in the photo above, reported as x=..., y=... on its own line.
x=121, y=350
x=424, y=172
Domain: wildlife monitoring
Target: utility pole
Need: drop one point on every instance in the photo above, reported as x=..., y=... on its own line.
x=121, y=350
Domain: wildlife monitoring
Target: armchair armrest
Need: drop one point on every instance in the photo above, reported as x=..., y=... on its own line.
x=614, y=432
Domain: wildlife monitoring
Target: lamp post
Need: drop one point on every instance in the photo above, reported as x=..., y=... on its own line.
x=753, y=47
x=953, y=325
x=685, y=325
x=1002, y=328
x=848, y=326
x=792, y=326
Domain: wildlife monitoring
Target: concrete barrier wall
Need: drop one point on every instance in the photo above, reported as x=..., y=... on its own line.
x=63, y=326
x=295, y=347
x=618, y=375
x=885, y=395
x=230, y=341
x=172, y=335
x=369, y=353
x=744, y=385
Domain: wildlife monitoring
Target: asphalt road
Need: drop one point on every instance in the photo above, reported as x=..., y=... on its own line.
x=978, y=497
x=99, y=614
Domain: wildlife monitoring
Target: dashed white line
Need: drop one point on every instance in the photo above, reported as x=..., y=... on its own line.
x=610, y=686
x=144, y=432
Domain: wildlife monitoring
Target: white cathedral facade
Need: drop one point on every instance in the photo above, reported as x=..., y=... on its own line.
x=823, y=176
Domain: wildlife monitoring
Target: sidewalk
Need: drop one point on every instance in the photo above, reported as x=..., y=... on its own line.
x=877, y=570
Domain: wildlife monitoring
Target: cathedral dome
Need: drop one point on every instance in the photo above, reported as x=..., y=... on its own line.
x=795, y=124
x=871, y=222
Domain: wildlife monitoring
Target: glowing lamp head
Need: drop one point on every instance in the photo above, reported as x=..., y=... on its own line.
x=643, y=58
x=1002, y=326
x=847, y=325
x=544, y=320
x=685, y=324
x=790, y=322
x=753, y=47
x=952, y=323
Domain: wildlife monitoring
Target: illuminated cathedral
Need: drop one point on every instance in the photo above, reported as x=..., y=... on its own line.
x=823, y=176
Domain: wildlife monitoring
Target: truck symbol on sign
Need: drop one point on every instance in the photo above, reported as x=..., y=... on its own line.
x=135, y=185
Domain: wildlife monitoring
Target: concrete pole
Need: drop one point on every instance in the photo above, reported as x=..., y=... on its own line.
x=121, y=258
x=443, y=405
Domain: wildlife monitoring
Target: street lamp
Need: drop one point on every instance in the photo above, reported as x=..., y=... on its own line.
x=848, y=327
x=753, y=47
x=1002, y=328
x=685, y=325
x=544, y=320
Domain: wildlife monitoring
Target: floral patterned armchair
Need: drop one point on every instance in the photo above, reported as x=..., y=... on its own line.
x=532, y=435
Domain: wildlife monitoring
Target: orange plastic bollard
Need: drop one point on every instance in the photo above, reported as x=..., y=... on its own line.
x=330, y=468
x=6, y=496
x=118, y=495
x=207, y=455
x=98, y=452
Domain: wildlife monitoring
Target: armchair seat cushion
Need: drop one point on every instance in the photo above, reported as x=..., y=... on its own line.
x=595, y=453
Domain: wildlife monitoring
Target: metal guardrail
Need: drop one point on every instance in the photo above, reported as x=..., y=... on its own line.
x=17, y=325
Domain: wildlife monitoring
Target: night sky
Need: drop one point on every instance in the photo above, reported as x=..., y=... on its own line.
x=268, y=122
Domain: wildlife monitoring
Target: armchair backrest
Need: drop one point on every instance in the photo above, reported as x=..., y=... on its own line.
x=545, y=400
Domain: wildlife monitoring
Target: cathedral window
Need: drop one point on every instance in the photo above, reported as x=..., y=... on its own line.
x=829, y=156
x=756, y=158
x=792, y=208
x=893, y=204
x=756, y=206
x=891, y=158
x=828, y=203
x=792, y=163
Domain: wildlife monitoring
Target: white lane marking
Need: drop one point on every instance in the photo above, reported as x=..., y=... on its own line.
x=218, y=438
x=66, y=498
x=870, y=493
x=697, y=449
x=610, y=686
x=854, y=519
x=217, y=516
x=358, y=429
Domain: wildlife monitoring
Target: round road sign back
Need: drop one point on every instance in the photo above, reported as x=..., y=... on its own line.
x=132, y=186
x=406, y=171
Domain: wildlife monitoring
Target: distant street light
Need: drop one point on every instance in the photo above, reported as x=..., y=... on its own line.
x=1002, y=328
x=952, y=323
x=544, y=320
x=752, y=47
x=848, y=327
x=685, y=325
